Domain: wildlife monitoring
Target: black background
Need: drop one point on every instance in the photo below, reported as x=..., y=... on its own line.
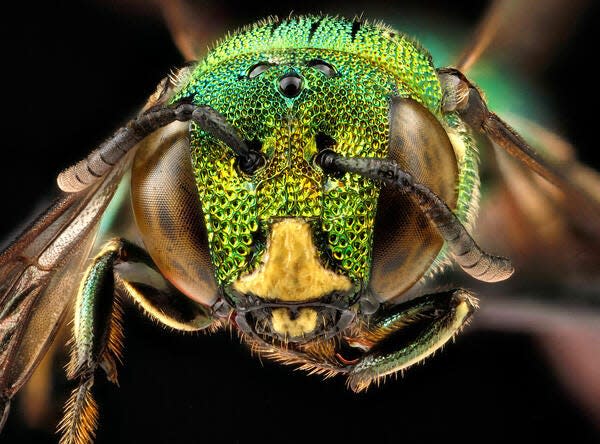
x=74, y=71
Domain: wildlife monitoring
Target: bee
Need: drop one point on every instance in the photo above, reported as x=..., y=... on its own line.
x=280, y=187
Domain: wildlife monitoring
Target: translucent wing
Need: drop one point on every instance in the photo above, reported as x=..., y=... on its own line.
x=550, y=232
x=550, y=228
x=39, y=275
x=555, y=247
x=191, y=28
x=551, y=235
x=517, y=32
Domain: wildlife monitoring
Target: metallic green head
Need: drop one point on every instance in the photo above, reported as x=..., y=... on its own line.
x=288, y=232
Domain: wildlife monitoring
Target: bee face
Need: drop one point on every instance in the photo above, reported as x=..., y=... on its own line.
x=240, y=209
x=288, y=232
x=297, y=250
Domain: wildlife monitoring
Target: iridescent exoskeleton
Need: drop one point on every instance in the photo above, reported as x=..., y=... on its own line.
x=303, y=184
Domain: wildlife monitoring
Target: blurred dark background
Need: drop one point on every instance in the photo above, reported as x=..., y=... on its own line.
x=75, y=70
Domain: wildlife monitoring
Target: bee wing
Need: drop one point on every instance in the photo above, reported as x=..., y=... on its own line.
x=38, y=275
x=517, y=32
x=552, y=233
x=554, y=242
x=555, y=294
x=547, y=203
x=191, y=28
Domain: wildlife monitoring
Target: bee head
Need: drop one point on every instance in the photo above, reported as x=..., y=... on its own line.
x=291, y=100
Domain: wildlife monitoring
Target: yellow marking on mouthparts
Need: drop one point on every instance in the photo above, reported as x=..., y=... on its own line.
x=282, y=323
x=291, y=270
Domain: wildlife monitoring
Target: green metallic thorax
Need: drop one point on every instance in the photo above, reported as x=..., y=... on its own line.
x=372, y=63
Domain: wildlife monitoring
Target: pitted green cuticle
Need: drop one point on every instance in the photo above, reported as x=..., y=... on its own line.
x=351, y=107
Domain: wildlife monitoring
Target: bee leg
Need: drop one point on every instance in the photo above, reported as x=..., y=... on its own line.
x=97, y=342
x=461, y=96
x=140, y=280
x=409, y=333
x=97, y=327
x=97, y=330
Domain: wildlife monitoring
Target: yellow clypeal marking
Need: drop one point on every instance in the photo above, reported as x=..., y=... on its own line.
x=304, y=322
x=291, y=270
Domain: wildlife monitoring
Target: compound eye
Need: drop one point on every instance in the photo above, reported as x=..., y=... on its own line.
x=169, y=215
x=258, y=69
x=405, y=243
x=322, y=66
